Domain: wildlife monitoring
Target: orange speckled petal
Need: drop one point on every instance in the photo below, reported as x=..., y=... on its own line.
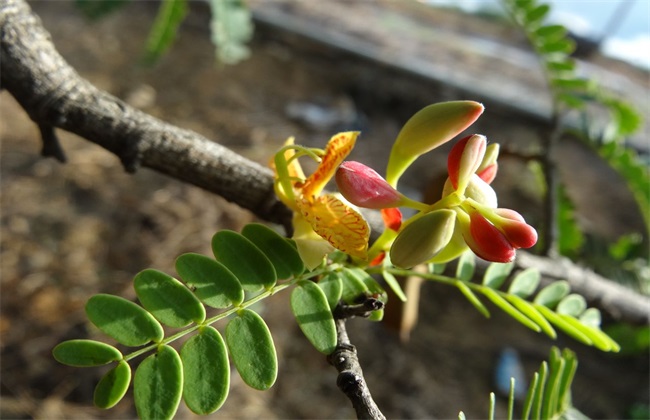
x=339, y=224
x=339, y=146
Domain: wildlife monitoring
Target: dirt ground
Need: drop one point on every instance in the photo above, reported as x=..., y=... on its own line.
x=73, y=230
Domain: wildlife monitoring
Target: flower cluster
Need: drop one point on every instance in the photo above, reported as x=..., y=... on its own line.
x=466, y=216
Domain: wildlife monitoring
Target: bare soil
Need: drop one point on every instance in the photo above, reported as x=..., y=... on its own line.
x=73, y=230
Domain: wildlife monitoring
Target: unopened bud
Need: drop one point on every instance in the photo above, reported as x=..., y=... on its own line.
x=514, y=227
x=486, y=241
x=364, y=187
x=487, y=171
x=422, y=239
x=464, y=159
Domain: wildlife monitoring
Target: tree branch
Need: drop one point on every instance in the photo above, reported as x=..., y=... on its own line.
x=344, y=358
x=54, y=95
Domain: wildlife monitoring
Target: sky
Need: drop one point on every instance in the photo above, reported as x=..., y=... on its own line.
x=628, y=36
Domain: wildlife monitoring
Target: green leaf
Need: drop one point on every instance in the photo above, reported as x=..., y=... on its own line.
x=95, y=9
x=312, y=311
x=591, y=318
x=533, y=389
x=472, y=298
x=123, y=320
x=529, y=310
x=332, y=286
x=466, y=266
x=561, y=46
x=170, y=15
x=535, y=15
x=525, y=283
x=565, y=65
x=573, y=305
x=496, y=274
x=353, y=286
x=85, y=353
x=539, y=394
x=206, y=371
x=597, y=337
x=560, y=322
x=253, y=269
x=158, y=385
x=252, y=350
x=571, y=237
x=232, y=28
x=213, y=283
x=168, y=299
x=499, y=301
x=570, y=367
x=574, y=84
x=394, y=285
x=111, y=388
x=549, y=33
x=551, y=391
x=283, y=255
x=552, y=294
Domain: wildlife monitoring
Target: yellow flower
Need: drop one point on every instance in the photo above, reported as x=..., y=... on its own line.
x=321, y=222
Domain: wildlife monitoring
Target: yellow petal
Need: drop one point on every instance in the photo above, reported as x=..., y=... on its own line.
x=339, y=146
x=311, y=247
x=338, y=223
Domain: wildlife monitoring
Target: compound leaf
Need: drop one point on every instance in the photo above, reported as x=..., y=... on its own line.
x=206, y=371
x=252, y=350
x=85, y=353
x=283, y=255
x=251, y=267
x=168, y=299
x=312, y=311
x=123, y=320
x=213, y=283
x=111, y=388
x=158, y=384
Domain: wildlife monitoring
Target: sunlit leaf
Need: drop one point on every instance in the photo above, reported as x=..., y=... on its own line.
x=161, y=36
x=251, y=267
x=353, y=286
x=525, y=283
x=538, y=401
x=123, y=320
x=499, y=301
x=279, y=250
x=206, y=371
x=496, y=274
x=566, y=64
x=551, y=33
x=572, y=305
x=529, y=310
x=84, y=353
x=597, y=337
x=111, y=388
x=252, y=350
x=561, y=323
x=168, y=299
x=537, y=14
x=551, y=295
x=472, y=298
x=158, y=384
x=312, y=311
x=591, y=318
x=562, y=46
x=533, y=389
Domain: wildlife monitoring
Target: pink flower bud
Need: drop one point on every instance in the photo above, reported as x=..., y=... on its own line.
x=464, y=159
x=487, y=171
x=486, y=241
x=364, y=187
x=514, y=227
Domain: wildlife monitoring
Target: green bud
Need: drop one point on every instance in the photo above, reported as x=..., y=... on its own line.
x=429, y=128
x=422, y=239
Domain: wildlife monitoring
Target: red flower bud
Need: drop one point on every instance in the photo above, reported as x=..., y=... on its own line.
x=486, y=241
x=514, y=227
x=489, y=173
x=392, y=218
x=364, y=187
x=464, y=159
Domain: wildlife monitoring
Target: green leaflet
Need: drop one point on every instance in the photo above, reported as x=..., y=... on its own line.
x=496, y=274
x=206, y=371
x=283, y=255
x=252, y=350
x=466, y=266
x=232, y=28
x=213, y=283
x=573, y=305
x=353, y=286
x=508, y=308
x=168, y=299
x=525, y=283
x=170, y=15
x=312, y=311
x=123, y=320
x=552, y=294
x=529, y=310
x=332, y=286
x=252, y=268
x=85, y=353
x=158, y=385
x=111, y=388
x=473, y=299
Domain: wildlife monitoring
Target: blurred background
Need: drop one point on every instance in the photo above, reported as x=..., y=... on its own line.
x=314, y=68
